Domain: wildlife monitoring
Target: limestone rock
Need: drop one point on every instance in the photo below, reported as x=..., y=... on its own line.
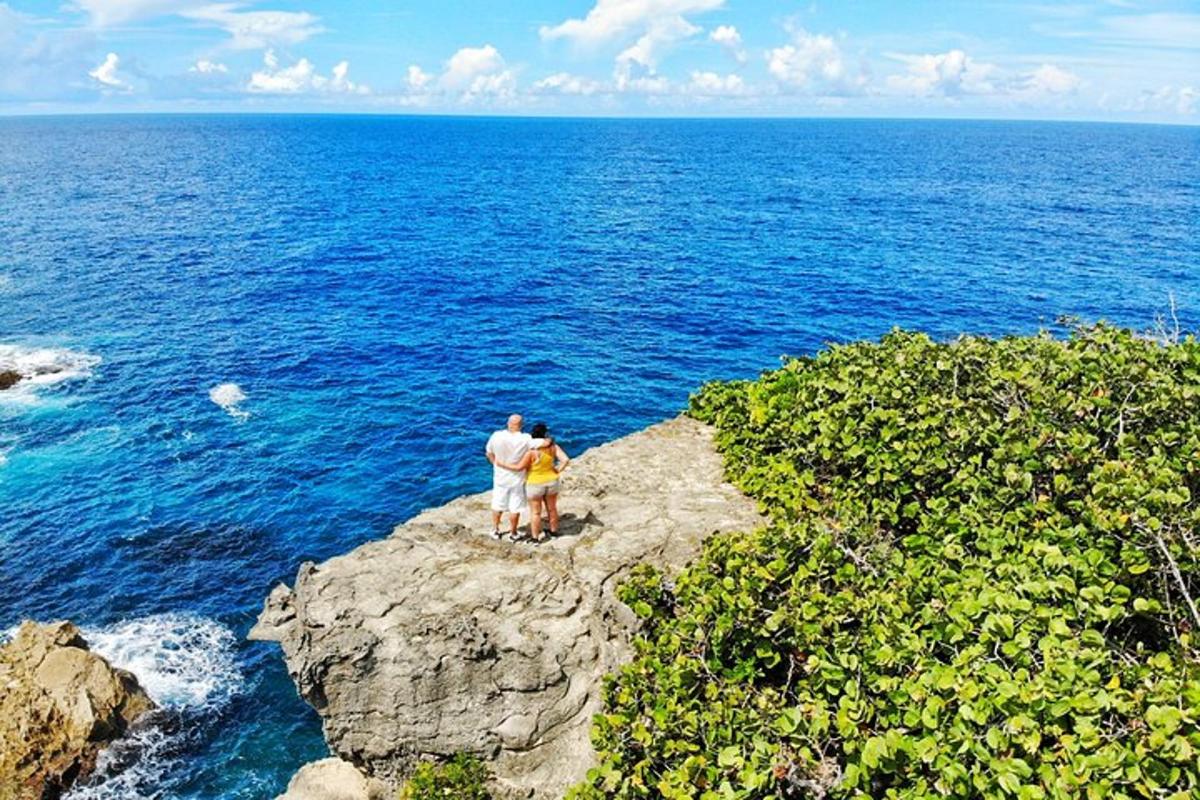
x=333, y=779
x=439, y=640
x=59, y=706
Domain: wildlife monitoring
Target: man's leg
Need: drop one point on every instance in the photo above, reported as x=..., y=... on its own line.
x=517, y=504
x=499, y=503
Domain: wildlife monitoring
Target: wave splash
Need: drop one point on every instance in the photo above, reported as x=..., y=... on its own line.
x=229, y=396
x=43, y=366
x=188, y=665
x=182, y=661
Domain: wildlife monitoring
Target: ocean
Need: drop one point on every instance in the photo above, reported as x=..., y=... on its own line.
x=262, y=340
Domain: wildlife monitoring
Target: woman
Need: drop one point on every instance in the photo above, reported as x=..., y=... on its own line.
x=541, y=484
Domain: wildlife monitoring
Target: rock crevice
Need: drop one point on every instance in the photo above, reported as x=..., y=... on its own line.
x=439, y=640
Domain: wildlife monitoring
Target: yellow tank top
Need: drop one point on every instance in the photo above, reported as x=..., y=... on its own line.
x=542, y=470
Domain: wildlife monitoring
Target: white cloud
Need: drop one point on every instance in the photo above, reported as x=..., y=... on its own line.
x=248, y=30
x=206, y=67
x=1186, y=100
x=496, y=85
x=726, y=35
x=418, y=79
x=647, y=84
x=952, y=73
x=471, y=74
x=251, y=30
x=731, y=40
x=710, y=84
x=340, y=80
x=610, y=19
x=640, y=60
x=468, y=63
x=275, y=79
x=1183, y=100
x=107, y=74
x=302, y=78
x=1049, y=79
x=566, y=83
x=654, y=26
x=114, y=12
x=955, y=74
x=812, y=61
x=478, y=71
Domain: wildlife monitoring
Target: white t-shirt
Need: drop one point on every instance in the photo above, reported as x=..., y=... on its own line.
x=508, y=447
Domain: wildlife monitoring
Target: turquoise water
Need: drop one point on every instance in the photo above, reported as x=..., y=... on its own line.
x=263, y=340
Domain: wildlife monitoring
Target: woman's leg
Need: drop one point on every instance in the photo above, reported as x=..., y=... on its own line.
x=535, y=519
x=552, y=505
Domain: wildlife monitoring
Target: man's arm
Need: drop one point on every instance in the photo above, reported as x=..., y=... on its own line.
x=491, y=457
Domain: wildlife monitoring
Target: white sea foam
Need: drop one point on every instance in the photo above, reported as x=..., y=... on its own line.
x=135, y=767
x=187, y=664
x=183, y=662
x=42, y=366
x=229, y=396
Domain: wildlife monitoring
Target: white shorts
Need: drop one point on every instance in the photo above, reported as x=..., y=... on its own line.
x=509, y=498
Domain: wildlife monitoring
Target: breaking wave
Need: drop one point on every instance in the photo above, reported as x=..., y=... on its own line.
x=42, y=366
x=182, y=661
x=188, y=665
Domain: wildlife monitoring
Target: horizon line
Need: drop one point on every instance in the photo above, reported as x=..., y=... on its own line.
x=594, y=117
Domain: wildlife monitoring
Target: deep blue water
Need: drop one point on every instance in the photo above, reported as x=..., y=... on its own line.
x=384, y=291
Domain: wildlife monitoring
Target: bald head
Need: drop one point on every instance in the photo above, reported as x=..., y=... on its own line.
x=515, y=422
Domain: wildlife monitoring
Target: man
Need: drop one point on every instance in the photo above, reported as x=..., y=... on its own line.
x=505, y=449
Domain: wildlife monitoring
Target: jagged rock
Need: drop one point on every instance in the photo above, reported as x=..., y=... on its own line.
x=9, y=378
x=333, y=779
x=439, y=640
x=59, y=706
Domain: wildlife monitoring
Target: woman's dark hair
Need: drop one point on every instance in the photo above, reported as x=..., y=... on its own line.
x=539, y=431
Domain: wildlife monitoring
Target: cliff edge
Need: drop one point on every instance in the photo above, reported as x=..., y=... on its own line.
x=438, y=639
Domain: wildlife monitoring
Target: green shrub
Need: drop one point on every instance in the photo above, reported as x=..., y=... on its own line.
x=461, y=778
x=978, y=581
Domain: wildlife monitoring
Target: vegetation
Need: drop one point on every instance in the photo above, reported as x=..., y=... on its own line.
x=979, y=580
x=463, y=777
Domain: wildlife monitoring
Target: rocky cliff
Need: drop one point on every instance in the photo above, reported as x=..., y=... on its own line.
x=59, y=705
x=439, y=639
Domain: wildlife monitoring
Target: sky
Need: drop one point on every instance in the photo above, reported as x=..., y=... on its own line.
x=1118, y=60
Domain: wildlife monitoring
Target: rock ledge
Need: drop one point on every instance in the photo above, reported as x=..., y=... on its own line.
x=439, y=640
x=59, y=706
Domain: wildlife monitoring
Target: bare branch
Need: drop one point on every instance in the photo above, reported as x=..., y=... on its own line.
x=1179, y=581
